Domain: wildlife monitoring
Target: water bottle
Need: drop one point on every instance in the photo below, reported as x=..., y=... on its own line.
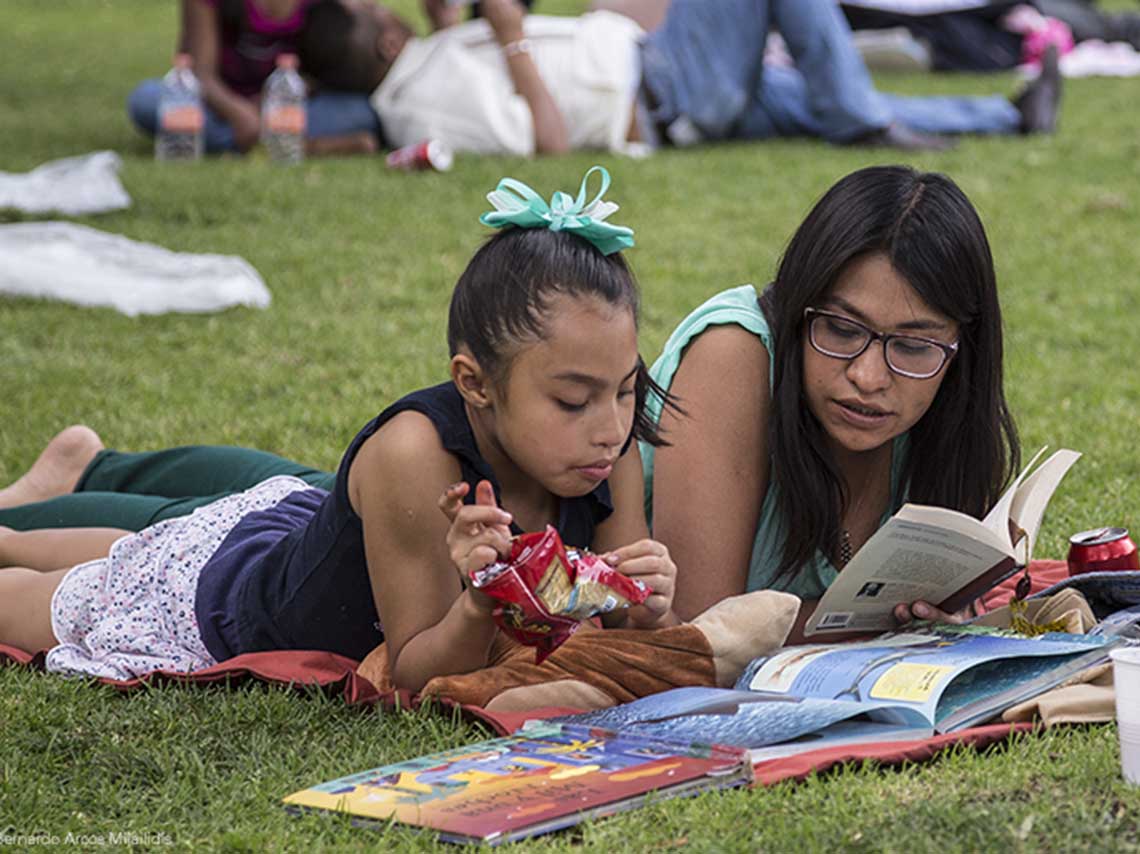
x=283, y=112
x=181, y=117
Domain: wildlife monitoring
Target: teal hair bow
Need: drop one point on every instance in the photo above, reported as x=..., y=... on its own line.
x=517, y=204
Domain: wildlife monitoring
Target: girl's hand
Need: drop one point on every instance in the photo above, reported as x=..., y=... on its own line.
x=648, y=561
x=925, y=611
x=480, y=533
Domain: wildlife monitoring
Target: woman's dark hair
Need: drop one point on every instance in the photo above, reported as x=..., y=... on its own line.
x=503, y=297
x=965, y=447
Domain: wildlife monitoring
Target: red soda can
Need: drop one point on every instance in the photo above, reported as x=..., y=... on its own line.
x=426, y=154
x=1102, y=550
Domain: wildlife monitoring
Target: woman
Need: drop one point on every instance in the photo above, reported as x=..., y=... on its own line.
x=869, y=372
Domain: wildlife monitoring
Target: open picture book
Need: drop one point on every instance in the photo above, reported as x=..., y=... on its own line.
x=903, y=685
x=938, y=555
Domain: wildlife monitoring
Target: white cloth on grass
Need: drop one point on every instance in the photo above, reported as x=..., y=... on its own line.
x=73, y=186
x=74, y=263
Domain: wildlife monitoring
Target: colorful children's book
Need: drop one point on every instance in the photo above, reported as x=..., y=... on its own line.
x=939, y=555
x=544, y=777
x=902, y=685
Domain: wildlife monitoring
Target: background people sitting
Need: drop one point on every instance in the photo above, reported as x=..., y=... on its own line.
x=525, y=85
x=235, y=45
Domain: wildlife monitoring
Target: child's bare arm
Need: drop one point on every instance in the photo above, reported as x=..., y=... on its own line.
x=431, y=626
x=709, y=483
x=623, y=540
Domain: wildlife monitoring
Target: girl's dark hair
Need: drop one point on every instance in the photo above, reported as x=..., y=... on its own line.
x=503, y=296
x=965, y=447
x=328, y=53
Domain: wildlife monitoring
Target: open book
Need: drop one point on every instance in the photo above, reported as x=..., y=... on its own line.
x=899, y=686
x=938, y=555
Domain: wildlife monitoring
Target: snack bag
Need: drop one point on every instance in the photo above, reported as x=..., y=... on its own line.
x=545, y=590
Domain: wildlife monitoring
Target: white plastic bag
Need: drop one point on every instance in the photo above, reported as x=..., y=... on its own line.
x=65, y=261
x=73, y=186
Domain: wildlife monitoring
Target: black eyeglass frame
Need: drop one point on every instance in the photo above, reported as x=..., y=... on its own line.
x=948, y=350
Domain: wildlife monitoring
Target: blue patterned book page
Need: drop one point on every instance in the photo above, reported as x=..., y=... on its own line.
x=918, y=669
x=738, y=718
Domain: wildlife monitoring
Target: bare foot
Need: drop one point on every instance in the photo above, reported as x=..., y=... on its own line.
x=57, y=469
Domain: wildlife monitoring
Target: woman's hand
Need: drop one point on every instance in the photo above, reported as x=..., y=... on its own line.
x=648, y=561
x=480, y=533
x=925, y=611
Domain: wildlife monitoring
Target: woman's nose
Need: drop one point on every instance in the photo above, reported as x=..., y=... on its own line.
x=869, y=371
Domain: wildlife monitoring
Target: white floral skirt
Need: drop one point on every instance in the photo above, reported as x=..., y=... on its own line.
x=132, y=612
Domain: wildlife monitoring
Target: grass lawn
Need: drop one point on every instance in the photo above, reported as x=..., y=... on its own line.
x=360, y=261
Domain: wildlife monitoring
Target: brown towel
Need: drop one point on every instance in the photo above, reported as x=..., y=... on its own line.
x=1086, y=698
x=597, y=668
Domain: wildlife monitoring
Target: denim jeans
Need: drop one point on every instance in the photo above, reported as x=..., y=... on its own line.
x=327, y=114
x=705, y=63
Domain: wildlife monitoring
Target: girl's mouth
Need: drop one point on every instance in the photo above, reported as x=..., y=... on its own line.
x=596, y=471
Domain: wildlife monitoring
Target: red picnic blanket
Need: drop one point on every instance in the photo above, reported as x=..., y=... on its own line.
x=336, y=674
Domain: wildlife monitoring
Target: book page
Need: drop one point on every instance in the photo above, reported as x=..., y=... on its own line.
x=923, y=553
x=1034, y=493
x=742, y=718
x=997, y=520
x=944, y=672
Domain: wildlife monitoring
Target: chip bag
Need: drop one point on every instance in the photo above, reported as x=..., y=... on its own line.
x=544, y=591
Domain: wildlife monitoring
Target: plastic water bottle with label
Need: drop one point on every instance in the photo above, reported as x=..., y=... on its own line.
x=181, y=117
x=283, y=112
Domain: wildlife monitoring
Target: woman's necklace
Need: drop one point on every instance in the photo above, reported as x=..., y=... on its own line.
x=845, y=550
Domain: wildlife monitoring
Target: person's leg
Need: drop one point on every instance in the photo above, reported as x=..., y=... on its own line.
x=950, y=115
x=341, y=123
x=98, y=509
x=781, y=107
x=134, y=490
x=703, y=63
x=338, y=113
x=142, y=106
x=57, y=469
x=840, y=93
x=61, y=548
x=191, y=471
x=25, y=607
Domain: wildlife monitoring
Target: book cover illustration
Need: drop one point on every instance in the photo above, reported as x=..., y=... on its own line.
x=542, y=778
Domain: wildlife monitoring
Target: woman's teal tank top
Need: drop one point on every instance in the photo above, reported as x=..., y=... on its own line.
x=740, y=306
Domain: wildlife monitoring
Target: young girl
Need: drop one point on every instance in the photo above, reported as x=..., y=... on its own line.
x=535, y=427
x=868, y=373
x=234, y=45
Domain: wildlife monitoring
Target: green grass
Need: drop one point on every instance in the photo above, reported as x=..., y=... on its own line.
x=360, y=261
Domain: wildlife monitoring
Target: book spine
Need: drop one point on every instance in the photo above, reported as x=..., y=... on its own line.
x=985, y=582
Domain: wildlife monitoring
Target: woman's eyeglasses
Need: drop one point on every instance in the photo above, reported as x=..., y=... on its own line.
x=907, y=355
